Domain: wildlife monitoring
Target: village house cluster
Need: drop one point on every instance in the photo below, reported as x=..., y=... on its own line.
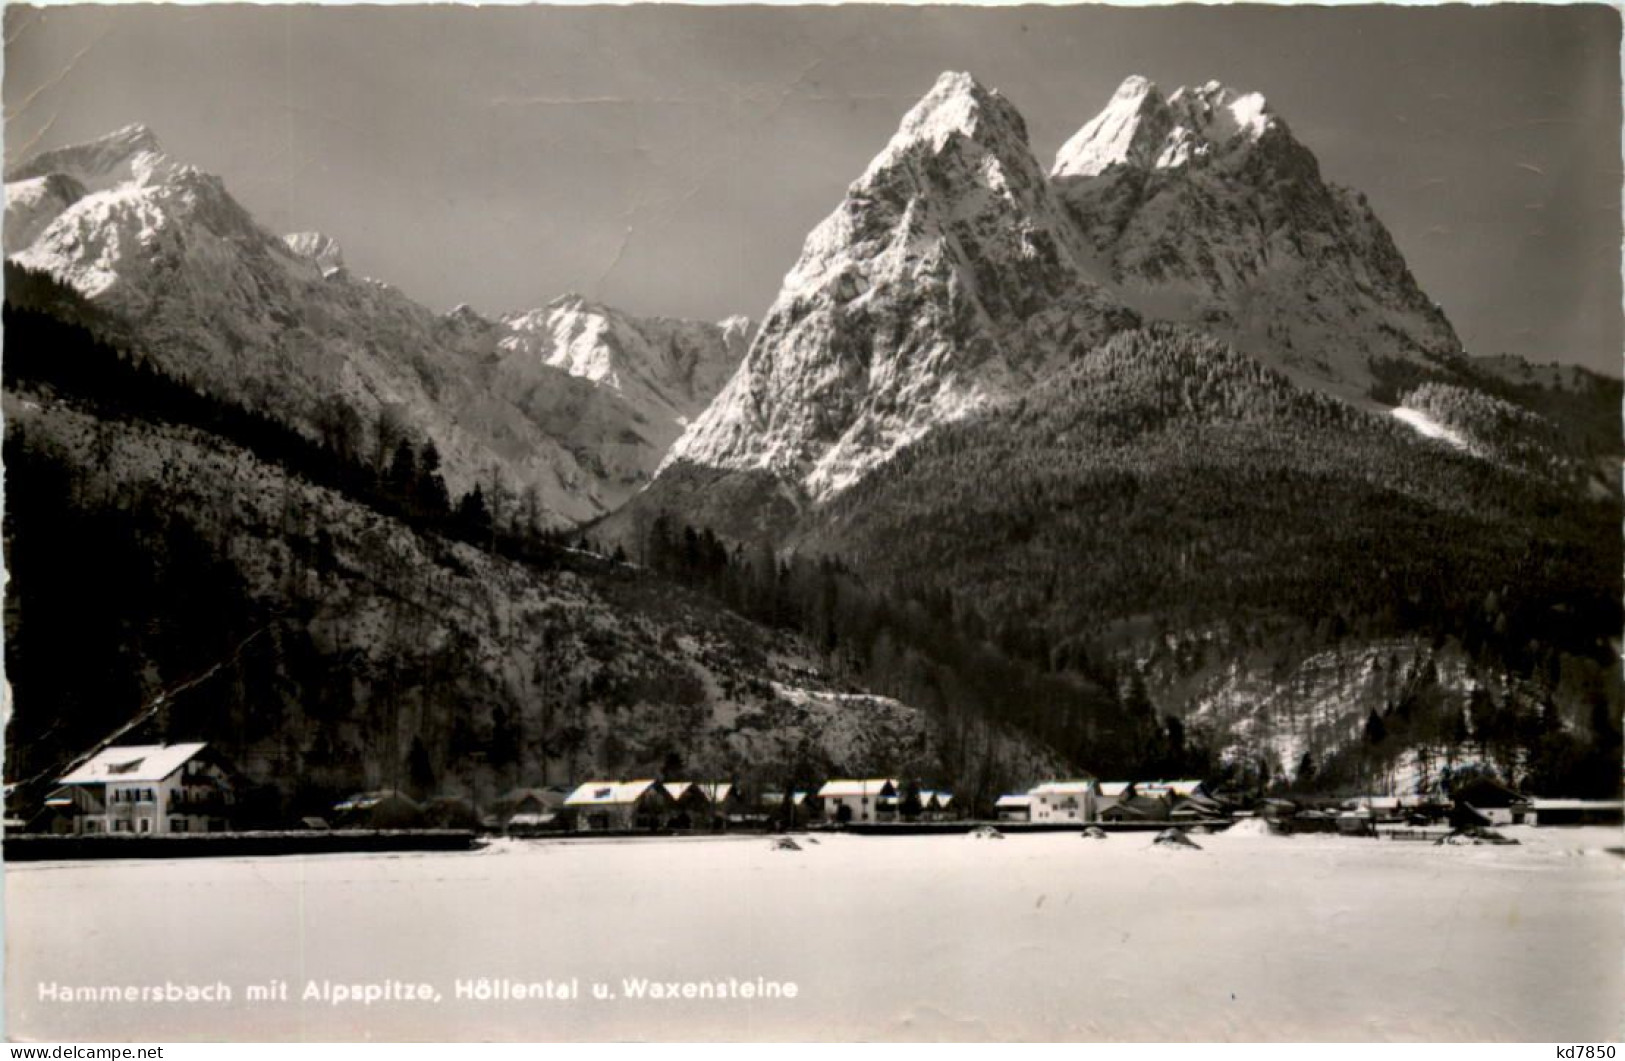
x=182, y=788
x=1086, y=800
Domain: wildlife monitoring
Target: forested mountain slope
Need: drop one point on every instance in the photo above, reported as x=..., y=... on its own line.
x=375, y=629
x=1172, y=507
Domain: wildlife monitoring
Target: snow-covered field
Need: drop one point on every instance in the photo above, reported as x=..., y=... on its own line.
x=1039, y=936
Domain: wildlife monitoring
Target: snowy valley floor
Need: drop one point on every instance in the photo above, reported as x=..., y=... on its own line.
x=1037, y=936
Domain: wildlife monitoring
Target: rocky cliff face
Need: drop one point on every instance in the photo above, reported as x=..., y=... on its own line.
x=947, y=278
x=1204, y=208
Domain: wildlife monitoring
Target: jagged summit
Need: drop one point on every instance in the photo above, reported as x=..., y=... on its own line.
x=1205, y=208
x=1140, y=127
x=97, y=164
x=957, y=106
x=1129, y=130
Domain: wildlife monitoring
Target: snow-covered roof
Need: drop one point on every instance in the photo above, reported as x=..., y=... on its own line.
x=713, y=791
x=369, y=800
x=1183, y=788
x=1578, y=804
x=133, y=762
x=1064, y=788
x=942, y=798
x=849, y=789
x=1377, y=802
x=607, y=793
x=530, y=818
x=1014, y=799
x=1115, y=788
x=1152, y=789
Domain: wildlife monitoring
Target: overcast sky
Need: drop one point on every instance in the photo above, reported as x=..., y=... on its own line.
x=671, y=160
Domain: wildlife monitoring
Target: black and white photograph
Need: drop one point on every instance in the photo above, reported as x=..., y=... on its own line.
x=1075, y=523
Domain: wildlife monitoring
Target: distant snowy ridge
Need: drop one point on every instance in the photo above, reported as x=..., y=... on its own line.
x=282, y=325
x=668, y=369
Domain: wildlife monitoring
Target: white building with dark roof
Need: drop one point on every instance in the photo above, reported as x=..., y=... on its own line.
x=862, y=801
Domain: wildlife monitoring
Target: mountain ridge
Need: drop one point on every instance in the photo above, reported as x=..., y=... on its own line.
x=177, y=266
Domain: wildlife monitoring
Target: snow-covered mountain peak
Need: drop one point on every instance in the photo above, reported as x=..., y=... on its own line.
x=1139, y=127
x=1204, y=208
x=948, y=277
x=957, y=107
x=131, y=153
x=322, y=249
x=1130, y=130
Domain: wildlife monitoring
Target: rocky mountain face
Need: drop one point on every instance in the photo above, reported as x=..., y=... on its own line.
x=1204, y=208
x=176, y=266
x=948, y=278
x=956, y=273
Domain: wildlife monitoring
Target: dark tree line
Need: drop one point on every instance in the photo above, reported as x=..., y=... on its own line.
x=922, y=646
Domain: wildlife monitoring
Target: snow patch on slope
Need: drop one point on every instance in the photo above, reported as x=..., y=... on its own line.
x=1428, y=427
